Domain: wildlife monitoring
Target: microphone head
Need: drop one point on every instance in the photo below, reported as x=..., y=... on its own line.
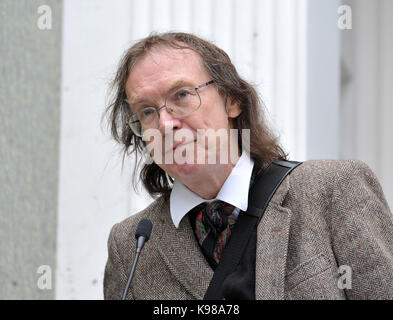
x=144, y=229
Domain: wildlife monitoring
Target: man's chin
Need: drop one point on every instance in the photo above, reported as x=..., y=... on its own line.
x=183, y=170
x=188, y=168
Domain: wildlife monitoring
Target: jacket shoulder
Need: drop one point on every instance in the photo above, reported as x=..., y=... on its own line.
x=331, y=166
x=325, y=172
x=325, y=180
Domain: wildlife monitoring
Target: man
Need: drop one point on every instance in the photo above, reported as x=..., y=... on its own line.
x=173, y=92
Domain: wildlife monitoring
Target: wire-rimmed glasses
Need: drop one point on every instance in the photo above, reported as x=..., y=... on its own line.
x=180, y=102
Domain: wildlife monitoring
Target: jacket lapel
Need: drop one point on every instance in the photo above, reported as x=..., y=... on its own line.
x=192, y=269
x=272, y=248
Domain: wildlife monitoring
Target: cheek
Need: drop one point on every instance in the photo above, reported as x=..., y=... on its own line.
x=212, y=116
x=218, y=113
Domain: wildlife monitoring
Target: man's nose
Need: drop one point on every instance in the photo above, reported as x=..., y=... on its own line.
x=168, y=121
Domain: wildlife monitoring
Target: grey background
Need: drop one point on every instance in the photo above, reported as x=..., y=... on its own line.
x=29, y=146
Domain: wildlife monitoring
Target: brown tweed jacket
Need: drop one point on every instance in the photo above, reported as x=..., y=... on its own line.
x=326, y=214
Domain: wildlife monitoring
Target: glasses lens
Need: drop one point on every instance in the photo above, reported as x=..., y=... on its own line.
x=183, y=101
x=144, y=119
x=135, y=126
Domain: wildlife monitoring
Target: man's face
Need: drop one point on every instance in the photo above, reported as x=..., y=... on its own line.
x=151, y=79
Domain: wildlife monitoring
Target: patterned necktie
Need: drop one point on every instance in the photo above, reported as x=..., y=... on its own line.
x=213, y=227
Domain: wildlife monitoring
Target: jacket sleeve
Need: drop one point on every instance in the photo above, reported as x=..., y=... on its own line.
x=362, y=233
x=115, y=278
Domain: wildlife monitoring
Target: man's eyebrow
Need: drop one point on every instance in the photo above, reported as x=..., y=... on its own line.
x=133, y=100
x=178, y=83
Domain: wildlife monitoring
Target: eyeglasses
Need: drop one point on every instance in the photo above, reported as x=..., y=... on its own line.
x=180, y=102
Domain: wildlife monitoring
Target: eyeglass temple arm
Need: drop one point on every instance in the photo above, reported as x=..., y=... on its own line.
x=204, y=84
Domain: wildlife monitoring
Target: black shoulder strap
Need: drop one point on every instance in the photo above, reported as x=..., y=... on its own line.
x=260, y=195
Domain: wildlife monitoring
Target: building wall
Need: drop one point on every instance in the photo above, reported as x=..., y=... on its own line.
x=94, y=192
x=366, y=114
x=30, y=61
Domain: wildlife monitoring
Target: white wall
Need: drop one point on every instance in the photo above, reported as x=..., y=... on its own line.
x=93, y=194
x=323, y=80
x=367, y=96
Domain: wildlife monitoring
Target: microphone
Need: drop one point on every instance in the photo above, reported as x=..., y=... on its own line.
x=142, y=235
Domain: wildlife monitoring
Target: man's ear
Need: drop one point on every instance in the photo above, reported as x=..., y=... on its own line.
x=233, y=108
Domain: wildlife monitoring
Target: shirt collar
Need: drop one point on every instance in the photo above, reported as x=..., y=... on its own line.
x=234, y=191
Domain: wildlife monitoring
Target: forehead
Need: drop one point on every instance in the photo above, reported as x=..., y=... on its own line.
x=162, y=66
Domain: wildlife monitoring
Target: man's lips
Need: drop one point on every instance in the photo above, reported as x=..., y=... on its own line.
x=177, y=144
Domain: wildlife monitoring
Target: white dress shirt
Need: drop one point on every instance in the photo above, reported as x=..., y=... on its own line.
x=234, y=191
